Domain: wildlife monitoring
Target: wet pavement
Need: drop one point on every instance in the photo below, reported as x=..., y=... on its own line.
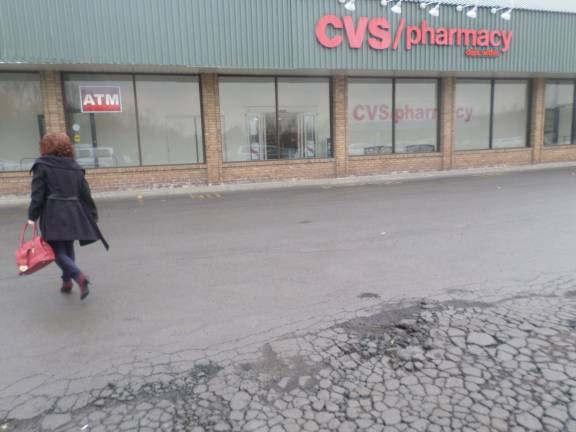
x=463, y=352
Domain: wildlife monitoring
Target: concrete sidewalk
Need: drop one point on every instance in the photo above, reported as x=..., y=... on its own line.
x=16, y=200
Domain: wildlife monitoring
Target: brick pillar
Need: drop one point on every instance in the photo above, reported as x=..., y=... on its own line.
x=211, y=123
x=537, y=114
x=53, y=101
x=340, y=124
x=447, y=98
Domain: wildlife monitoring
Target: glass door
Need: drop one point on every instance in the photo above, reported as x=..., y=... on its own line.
x=256, y=136
x=290, y=136
x=308, y=133
x=83, y=132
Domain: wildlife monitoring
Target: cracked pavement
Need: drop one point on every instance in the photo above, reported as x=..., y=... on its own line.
x=459, y=352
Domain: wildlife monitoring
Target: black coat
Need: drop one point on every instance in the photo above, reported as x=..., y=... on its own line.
x=62, y=201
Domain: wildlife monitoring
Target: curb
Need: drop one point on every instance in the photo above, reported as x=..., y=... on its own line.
x=16, y=200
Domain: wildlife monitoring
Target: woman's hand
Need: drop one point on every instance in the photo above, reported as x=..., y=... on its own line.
x=31, y=222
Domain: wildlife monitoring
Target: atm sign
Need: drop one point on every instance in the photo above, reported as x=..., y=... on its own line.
x=99, y=99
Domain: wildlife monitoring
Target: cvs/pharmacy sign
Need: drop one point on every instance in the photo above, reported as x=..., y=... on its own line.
x=97, y=99
x=332, y=31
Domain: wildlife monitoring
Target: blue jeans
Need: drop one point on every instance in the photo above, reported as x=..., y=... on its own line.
x=64, y=252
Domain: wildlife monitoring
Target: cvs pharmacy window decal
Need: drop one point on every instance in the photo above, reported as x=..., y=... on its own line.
x=99, y=99
x=374, y=112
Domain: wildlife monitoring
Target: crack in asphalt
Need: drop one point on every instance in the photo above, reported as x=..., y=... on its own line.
x=444, y=364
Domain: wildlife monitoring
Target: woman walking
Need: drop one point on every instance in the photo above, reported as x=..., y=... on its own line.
x=62, y=201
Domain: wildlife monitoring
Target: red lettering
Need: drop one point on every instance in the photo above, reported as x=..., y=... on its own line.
x=442, y=36
x=413, y=36
x=331, y=31
x=372, y=110
x=379, y=29
x=459, y=37
x=356, y=33
x=506, y=39
x=483, y=39
x=493, y=41
x=428, y=36
x=357, y=113
x=321, y=28
x=451, y=33
x=481, y=53
x=409, y=112
x=384, y=112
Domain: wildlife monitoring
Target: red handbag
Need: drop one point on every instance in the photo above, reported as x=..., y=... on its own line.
x=33, y=255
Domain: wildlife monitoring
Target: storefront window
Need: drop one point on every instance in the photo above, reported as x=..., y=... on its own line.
x=102, y=120
x=370, y=114
x=480, y=102
x=392, y=116
x=510, y=114
x=416, y=116
x=254, y=130
x=559, y=123
x=21, y=120
x=304, y=118
x=248, y=110
x=108, y=132
x=472, y=115
x=170, y=120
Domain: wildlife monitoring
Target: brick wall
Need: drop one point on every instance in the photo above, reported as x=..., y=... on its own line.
x=537, y=114
x=14, y=183
x=447, y=102
x=53, y=101
x=367, y=165
x=340, y=124
x=211, y=125
x=147, y=177
x=278, y=170
x=488, y=158
x=113, y=179
x=558, y=153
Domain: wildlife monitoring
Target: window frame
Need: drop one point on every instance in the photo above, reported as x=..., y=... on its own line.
x=67, y=73
x=528, y=143
x=573, y=127
x=276, y=104
x=393, y=80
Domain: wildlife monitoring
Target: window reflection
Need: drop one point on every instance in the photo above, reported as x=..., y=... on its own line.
x=21, y=120
x=170, y=121
x=392, y=116
x=304, y=118
x=505, y=102
x=472, y=115
x=416, y=116
x=370, y=116
x=106, y=139
x=254, y=130
x=558, y=126
x=510, y=114
x=248, y=111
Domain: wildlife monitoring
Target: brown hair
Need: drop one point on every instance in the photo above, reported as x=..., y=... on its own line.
x=56, y=144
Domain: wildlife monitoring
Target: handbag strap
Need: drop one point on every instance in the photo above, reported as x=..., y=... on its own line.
x=23, y=232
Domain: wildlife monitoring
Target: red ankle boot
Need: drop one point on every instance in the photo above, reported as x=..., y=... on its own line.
x=83, y=282
x=66, y=287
